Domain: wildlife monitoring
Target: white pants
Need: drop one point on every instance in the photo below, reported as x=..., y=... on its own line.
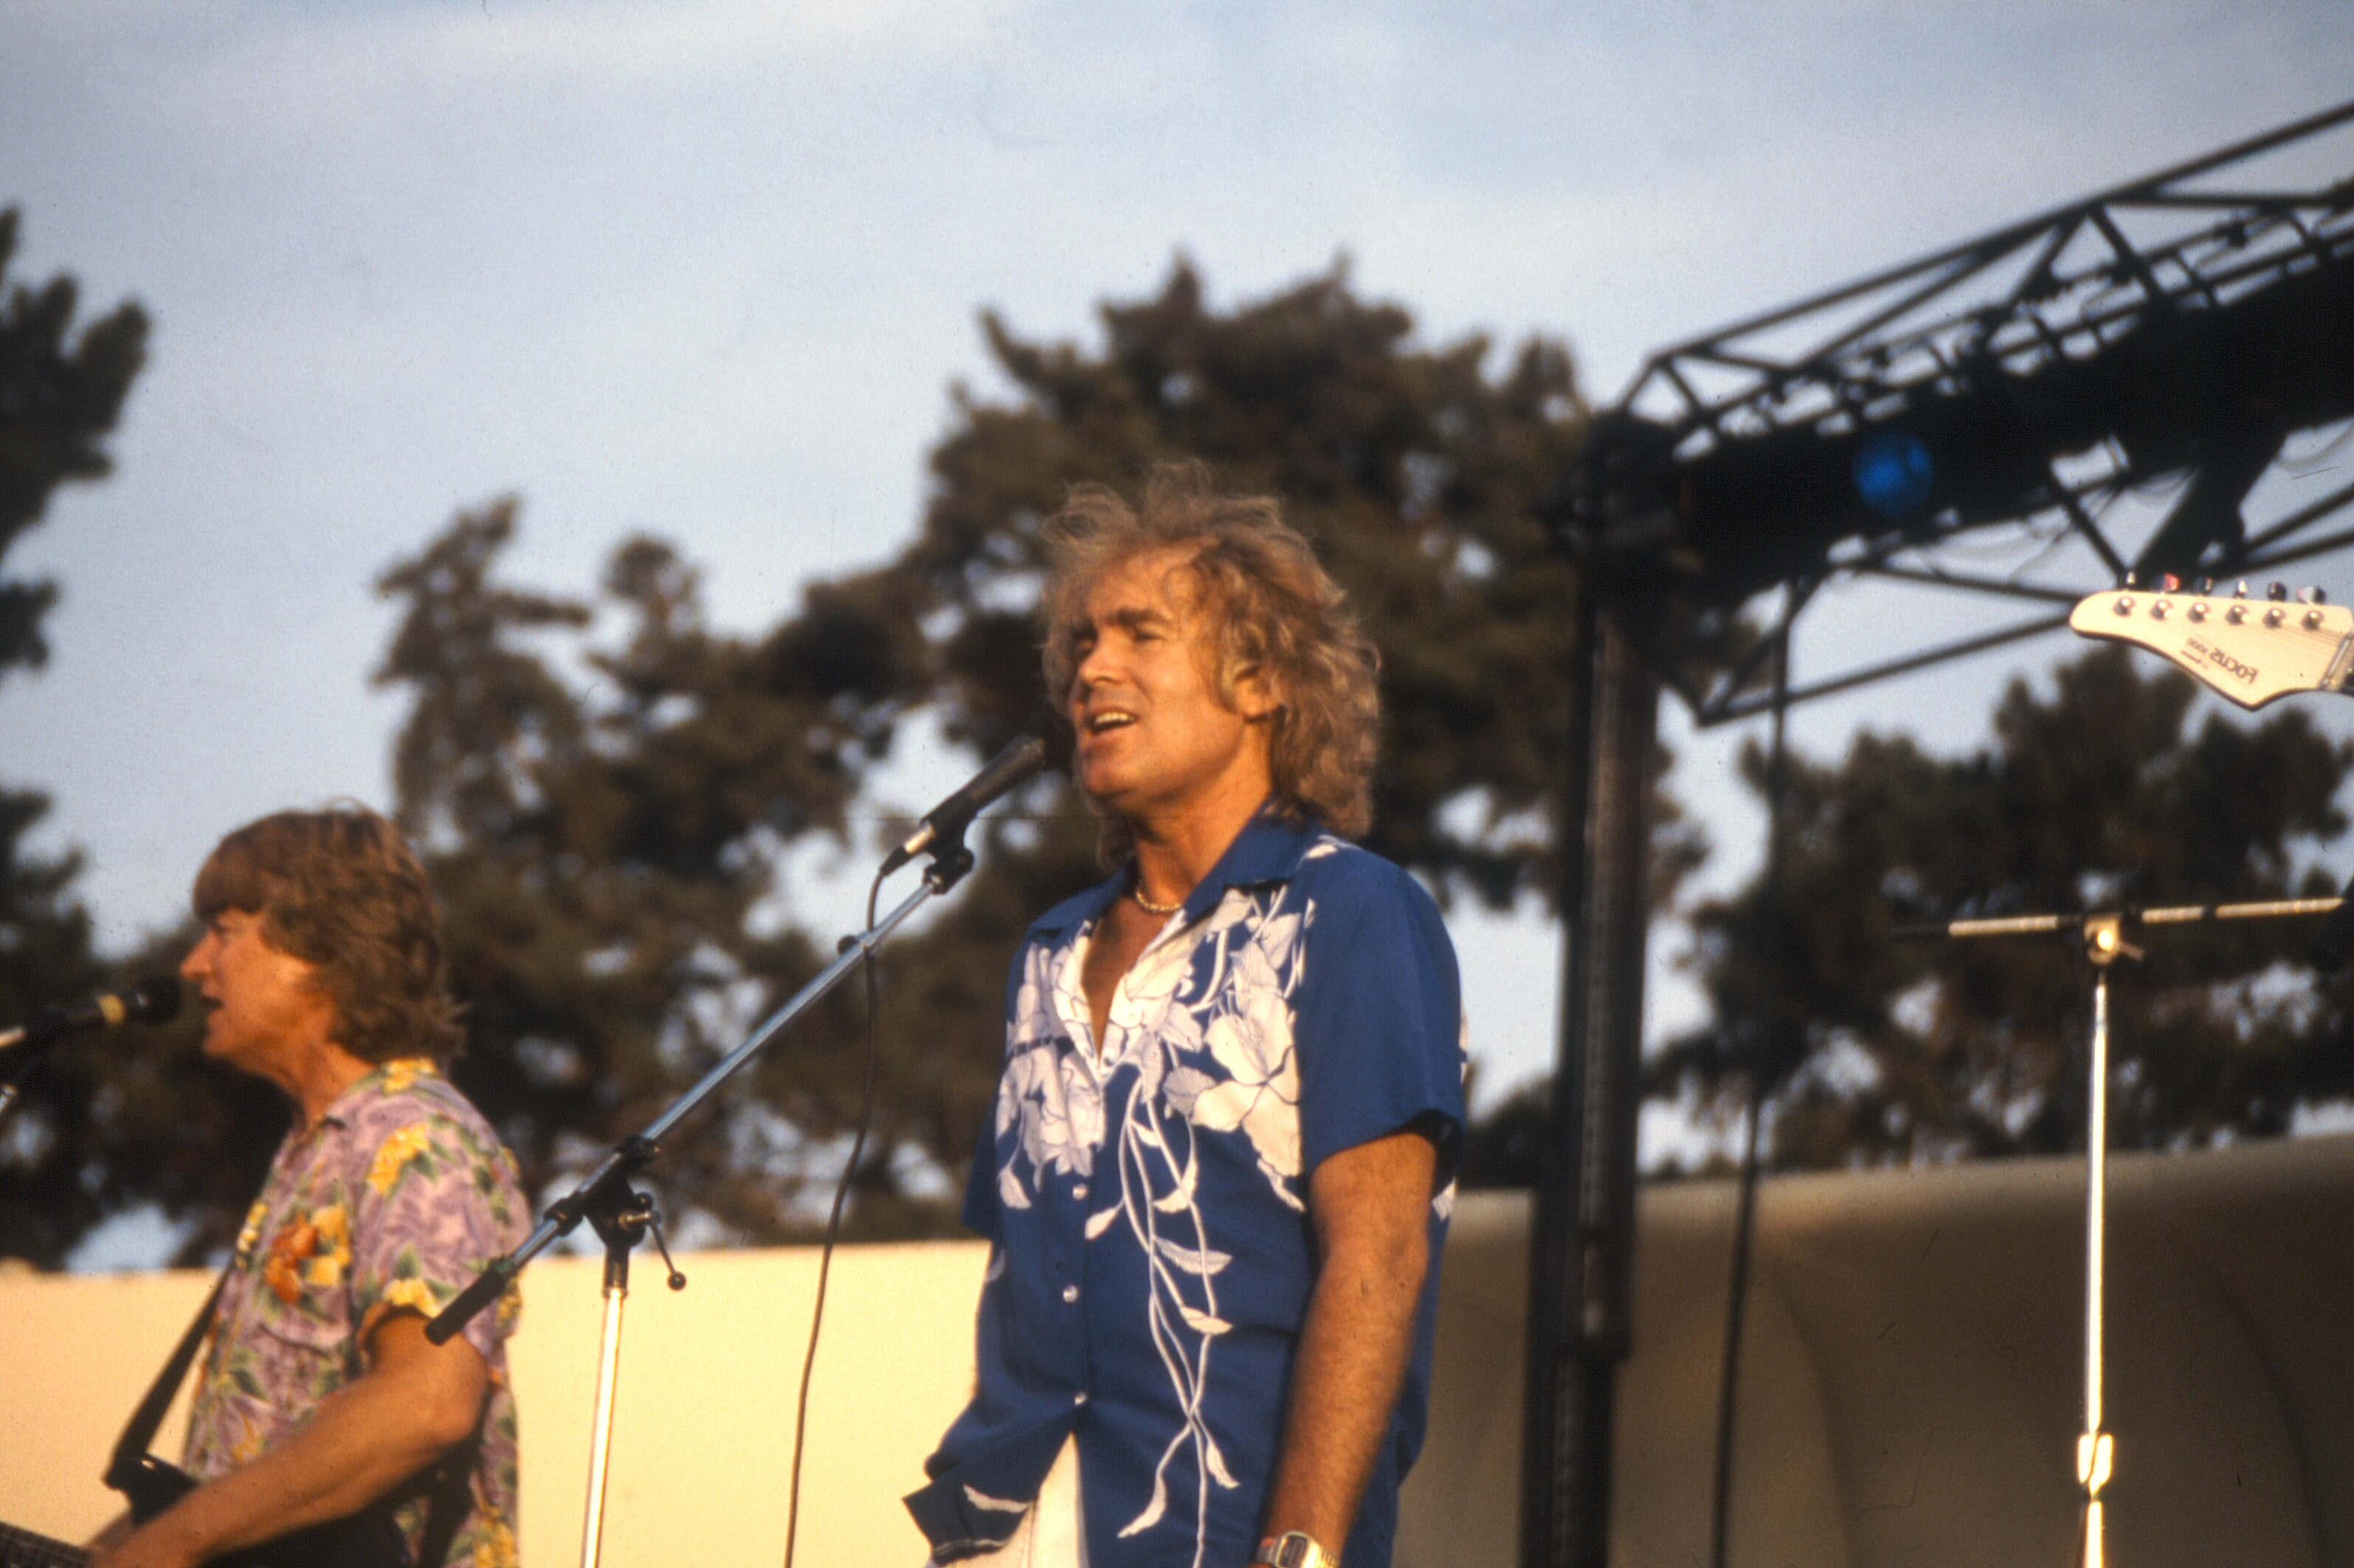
x=1050, y=1535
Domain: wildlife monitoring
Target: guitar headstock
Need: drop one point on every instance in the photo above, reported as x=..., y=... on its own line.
x=2251, y=650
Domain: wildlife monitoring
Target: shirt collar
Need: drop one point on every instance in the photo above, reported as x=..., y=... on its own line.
x=1268, y=849
x=386, y=1078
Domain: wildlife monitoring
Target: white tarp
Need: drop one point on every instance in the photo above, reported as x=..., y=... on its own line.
x=1913, y=1380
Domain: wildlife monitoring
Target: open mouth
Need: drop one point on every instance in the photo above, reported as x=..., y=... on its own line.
x=1110, y=719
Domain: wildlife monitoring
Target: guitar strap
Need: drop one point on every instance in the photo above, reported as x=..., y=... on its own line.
x=129, y=1464
x=448, y=1496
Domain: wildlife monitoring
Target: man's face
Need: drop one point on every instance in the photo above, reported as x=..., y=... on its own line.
x=267, y=1010
x=1154, y=737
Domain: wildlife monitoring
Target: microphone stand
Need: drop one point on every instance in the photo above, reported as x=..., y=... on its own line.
x=20, y=1062
x=2104, y=943
x=622, y=1219
x=621, y=1216
x=29, y=1053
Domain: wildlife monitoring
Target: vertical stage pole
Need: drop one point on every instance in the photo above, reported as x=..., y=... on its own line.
x=1582, y=1252
x=2104, y=943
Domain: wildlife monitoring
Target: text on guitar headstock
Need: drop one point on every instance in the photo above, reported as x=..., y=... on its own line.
x=2251, y=650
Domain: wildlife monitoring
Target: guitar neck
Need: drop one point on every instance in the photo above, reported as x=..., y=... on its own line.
x=23, y=1549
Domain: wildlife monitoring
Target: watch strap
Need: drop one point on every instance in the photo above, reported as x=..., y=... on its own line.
x=1295, y=1549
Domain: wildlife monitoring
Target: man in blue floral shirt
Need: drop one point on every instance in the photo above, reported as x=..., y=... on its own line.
x=1222, y=1162
x=319, y=1393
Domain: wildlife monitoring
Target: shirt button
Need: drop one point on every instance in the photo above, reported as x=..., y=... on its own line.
x=1079, y=1191
x=1070, y=1293
x=1080, y=1397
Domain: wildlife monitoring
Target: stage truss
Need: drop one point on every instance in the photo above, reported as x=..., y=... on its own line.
x=2185, y=341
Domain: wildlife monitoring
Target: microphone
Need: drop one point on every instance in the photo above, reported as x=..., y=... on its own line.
x=151, y=1001
x=1039, y=746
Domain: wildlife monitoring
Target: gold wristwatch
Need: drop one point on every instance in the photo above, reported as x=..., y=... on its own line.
x=1295, y=1549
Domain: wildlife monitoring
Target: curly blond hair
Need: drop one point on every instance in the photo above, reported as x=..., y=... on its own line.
x=340, y=889
x=1275, y=612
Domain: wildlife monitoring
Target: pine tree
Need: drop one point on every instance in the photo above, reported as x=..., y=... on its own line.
x=61, y=391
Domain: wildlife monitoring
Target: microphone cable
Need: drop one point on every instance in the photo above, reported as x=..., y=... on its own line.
x=833, y=1220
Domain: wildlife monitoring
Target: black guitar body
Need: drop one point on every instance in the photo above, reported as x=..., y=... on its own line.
x=367, y=1538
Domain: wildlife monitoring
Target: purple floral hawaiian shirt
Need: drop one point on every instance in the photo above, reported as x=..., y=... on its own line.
x=392, y=1202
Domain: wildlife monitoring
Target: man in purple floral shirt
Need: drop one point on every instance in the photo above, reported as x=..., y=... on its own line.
x=320, y=1395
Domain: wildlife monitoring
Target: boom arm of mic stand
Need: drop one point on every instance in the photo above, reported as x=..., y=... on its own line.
x=633, y=1153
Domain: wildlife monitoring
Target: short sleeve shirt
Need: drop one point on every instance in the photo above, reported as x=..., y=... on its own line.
x=392, y=1200
x=1153, y=1254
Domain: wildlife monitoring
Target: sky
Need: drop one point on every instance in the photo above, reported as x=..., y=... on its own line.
x=711, y=269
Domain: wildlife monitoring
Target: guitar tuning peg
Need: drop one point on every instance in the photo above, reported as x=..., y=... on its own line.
x=2276, y=592
x=2169, y=583
x=2242, y=591
x=2203, y=586
x=2311, y=596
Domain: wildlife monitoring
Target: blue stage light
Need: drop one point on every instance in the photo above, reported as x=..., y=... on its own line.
x=1894, y=472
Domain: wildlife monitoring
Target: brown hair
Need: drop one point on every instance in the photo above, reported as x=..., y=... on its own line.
x=340, y=889
x=1275, y=612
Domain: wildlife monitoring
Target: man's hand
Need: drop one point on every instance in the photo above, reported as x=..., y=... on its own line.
x=118, y=1529
x=416, y=1401
x=1371, y=1205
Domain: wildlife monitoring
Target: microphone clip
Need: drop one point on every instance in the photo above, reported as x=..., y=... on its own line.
x=951, y=861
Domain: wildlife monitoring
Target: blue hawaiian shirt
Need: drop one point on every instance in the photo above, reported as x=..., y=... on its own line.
x=1153, y=1254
